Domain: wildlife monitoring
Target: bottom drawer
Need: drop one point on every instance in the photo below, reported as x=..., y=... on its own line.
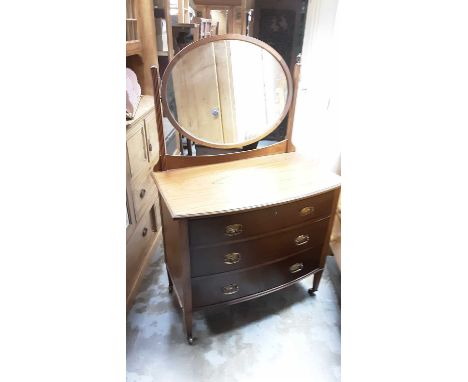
x=137, y=246
x=229, y=286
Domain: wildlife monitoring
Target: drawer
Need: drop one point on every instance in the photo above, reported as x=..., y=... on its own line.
x=233, y=227
x=247, y=253
x=152, y=136
x=136, y=149
x=137, y=246
x=144, y=192
x=229, y=286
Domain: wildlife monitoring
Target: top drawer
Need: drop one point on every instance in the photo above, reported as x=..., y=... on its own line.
x=136, y=149
x=233, y=227
x=152, y=136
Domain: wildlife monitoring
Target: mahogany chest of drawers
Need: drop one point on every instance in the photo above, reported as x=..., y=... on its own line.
x=236, y=231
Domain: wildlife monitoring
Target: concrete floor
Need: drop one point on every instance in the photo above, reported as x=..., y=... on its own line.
x=285, y=336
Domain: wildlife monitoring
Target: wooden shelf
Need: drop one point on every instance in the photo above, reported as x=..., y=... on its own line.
x=133, y=47
x=184, y=25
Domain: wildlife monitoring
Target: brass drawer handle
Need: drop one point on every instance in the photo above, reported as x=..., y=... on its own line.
x=145, y=231
x=233, y=229
x=306, y=211
x=231, y=289
x=232, y=258
x=301, y=239
x=142, y=193
x=296, y=267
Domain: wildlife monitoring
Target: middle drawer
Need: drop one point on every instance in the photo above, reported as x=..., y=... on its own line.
x=144, y=193
x=207, y=260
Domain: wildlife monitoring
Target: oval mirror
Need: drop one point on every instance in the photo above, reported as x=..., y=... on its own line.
x=226, y=91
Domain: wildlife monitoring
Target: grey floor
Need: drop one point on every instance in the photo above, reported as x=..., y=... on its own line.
x=285, y=336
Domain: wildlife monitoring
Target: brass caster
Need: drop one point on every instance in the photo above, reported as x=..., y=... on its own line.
x=312, y=291
x=190, y=340
x=170, y=288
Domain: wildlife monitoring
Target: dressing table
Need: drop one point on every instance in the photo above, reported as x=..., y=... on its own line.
x=240, y=225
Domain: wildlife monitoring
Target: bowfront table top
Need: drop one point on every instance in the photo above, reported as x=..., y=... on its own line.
x=242, y=185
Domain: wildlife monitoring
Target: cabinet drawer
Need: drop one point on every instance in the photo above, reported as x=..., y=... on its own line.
x=137, y=246
x=247, y=253
x=238, y=226
x=152, y=136
x=144, y=192
x=229, y=286
x=136, y=149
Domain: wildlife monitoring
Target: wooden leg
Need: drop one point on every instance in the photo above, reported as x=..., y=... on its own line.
x=316, y=282
x=188, y=325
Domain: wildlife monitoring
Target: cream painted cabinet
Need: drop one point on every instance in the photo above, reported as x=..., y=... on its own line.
x=143, y=220
x=152, y=137
x=137, y=150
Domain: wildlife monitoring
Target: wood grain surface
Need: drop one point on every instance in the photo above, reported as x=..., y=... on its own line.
x=180, y=161
x=242, y=185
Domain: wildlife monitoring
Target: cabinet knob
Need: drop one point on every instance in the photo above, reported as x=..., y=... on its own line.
x=231, y=289
x=145, y=231
x=296, y=267
x=142, y=193
x=214, y=112
x=233, y=229
x=232, y=258
x=301, y=240
x=150, y=147
x=306, y=211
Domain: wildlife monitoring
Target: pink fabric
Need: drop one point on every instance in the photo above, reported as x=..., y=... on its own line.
x=133, y=92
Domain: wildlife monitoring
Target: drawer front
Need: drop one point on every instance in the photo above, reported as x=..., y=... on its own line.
x=136, y=148
x=238, y=226
x=137, y=246
x=248, y=253
x=152, y=137
x=232, y=285
x=144, y=192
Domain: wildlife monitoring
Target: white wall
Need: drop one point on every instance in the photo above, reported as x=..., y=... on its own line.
x=316, y=131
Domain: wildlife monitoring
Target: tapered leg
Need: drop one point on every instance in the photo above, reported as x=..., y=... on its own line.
x=170, y=281
x=188, y=325
x=316, y=282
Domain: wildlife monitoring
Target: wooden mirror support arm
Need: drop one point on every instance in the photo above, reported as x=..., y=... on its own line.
x=292, y=110
x=161, y=164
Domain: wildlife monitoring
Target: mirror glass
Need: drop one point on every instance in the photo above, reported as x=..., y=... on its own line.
x=227, y=92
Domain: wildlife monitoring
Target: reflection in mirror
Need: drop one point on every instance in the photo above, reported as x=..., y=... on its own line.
x=227, y=92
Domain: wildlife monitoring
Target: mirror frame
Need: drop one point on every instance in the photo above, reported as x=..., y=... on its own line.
x=196, y=44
